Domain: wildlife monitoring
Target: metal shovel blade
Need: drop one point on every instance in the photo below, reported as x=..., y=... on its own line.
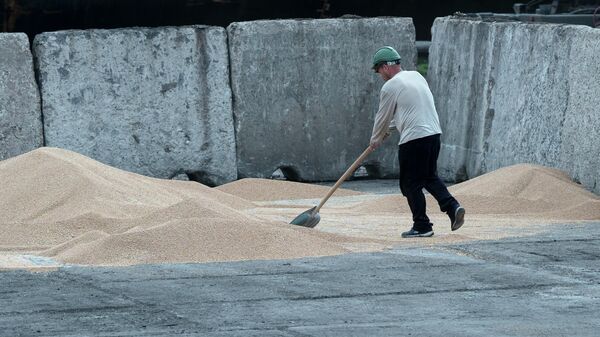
x=308, y=218
x=311, y=217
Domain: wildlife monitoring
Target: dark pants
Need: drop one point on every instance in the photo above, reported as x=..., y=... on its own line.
x=418, y=170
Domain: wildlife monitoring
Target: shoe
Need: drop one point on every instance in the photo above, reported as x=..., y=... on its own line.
x=416, y=234
x=457, y=219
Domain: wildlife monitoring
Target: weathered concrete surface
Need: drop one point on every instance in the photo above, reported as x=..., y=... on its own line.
x=511, y=93
x=540, y=286
x=580, y=148
x=305, y=96
x=20, y=114
x=152, y=101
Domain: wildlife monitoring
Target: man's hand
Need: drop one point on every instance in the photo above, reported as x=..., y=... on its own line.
x=375, y=145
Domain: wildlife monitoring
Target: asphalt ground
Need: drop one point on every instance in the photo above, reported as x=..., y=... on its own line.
x=544, y=285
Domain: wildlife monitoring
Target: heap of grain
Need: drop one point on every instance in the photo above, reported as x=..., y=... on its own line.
x=67, y=206
x=522, y=190
x=266, y=190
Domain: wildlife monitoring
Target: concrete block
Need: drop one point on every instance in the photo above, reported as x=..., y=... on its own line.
x=20, y=114
x=305, y=96
x=457, y=89
x=527, y=96
x=513, y=93
x=580, y=148
x=152, y=101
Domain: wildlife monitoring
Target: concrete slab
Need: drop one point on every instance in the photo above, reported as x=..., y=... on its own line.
x=305, y=96
x=506, y=95
x=20, y=111
x=154, y=101
x=538, y=286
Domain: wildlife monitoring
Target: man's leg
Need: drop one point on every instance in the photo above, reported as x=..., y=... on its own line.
x=413, y=192
x=435, y=186
x=413, y=165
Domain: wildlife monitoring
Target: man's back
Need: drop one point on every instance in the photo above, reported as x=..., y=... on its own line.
x=415, y=113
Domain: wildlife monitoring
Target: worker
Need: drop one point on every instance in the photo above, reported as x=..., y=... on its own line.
x=406, y=104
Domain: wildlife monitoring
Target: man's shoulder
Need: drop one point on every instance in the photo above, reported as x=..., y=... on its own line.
x=410, y=75
x=395, y=83
x=407, y=78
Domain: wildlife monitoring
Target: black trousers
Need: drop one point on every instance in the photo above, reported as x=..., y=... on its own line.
x=418, y=170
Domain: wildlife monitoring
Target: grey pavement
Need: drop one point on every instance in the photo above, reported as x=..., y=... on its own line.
x=537, y=286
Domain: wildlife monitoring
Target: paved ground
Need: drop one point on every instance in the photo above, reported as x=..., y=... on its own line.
x=543, y=286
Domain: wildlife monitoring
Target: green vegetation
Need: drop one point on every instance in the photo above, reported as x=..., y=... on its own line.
x=423, y=65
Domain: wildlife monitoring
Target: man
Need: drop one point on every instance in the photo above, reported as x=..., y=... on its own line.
x=406, y=103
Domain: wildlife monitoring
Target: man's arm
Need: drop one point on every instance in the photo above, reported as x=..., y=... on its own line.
x=383, y=118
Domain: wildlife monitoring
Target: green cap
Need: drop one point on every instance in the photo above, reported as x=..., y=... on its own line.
x=385, y=54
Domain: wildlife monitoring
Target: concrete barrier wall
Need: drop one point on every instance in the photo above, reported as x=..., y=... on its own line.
x=20, y=114
x=305, y=96
x=511, y=92
x=152, y=101
x=580, y=148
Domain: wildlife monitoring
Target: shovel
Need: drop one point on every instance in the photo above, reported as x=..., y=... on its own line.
x=311, y=217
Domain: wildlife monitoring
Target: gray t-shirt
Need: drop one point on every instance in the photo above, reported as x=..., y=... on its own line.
x=406, y=103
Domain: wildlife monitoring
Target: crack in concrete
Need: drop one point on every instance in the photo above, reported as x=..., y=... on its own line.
x=399, y=293
x=328, y=271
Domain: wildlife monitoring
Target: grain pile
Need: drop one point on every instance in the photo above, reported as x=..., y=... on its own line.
x=266, y=190
x=61, y=204
x=522, y=190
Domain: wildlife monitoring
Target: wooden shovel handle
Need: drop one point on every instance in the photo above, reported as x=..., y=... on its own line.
x=345, y=176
